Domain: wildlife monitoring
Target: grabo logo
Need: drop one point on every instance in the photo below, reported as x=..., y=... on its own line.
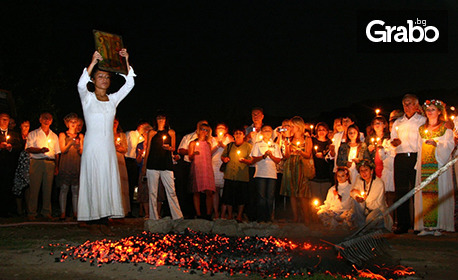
x=376, y=32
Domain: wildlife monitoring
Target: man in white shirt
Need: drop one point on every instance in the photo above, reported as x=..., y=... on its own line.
x=404, y=137
x=44, y=149
x=134, y=137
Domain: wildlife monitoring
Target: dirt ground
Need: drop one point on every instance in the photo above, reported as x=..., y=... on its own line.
x=25, y=253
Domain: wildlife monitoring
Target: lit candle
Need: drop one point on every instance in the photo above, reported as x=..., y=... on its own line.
x=377, y=111
x=220, y=134
x=298, y=143
x=49, y=142
x=378, y=140
x=197, y=144
x=362, y=193
x=118, y=140
x=316, y=202
x=260, y=137
x=7, y=138
x=316, y=148
x=165, y=137
x=396, y=128
x=268, y=145
x=452, y=117
x=311, y=126
x=140, y=139
x=372, y=140
x=426, y=133
x=333, y=140
x=238, y=152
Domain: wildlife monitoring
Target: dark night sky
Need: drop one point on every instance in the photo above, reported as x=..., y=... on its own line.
x=215, y=59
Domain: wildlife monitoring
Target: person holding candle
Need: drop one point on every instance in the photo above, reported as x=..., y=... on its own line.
x=183, y=169
x=322, y=181
x=134, y=137
x=160, y=143
x=10, y=147
x=368, y=193
x=121, y=149
x=236, y=175
x=405, y=140
x=202, y=178
x=143, y=191
x=266, y=155
x=434, y=204
x=44, y=149
x=352, y=151
x=295, y=183
x=336, y=210
x=341, y=137
x=377, y=136
x=100, y=195
x=71, y=146
x=219, y=142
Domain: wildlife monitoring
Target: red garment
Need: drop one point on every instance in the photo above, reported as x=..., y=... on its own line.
x=378, y=164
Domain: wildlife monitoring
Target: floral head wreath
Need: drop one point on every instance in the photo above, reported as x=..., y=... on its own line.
x=365, y=162
x=439, y=104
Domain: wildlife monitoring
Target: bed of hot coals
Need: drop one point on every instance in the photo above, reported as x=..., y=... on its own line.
x=211, y=253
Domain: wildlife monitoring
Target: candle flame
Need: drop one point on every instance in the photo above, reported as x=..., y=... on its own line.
x=311, y=126
x=197, y=143
x=7, y=137
x=118, y=139
x=238, y=152
x=378, y=139
x=316, y=148
x=298, y=143
x=220, y=134
x=397, y=128
x=372, y=139
x=316, y=202
x=164, y=137
x=260, y=137
x=452, y=117
x=140, y=138
x=377, y=111
x=49, y=140
x=363, y=193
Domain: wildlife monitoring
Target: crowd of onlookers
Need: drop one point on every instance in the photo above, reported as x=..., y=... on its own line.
x=341, y=175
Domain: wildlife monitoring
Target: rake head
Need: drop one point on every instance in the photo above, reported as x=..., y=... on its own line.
x=362, y=248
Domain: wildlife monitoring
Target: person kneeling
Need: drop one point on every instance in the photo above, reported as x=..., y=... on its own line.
x=337, y=208
x=368, y=195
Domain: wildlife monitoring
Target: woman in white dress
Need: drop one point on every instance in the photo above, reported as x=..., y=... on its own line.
x=100, y=195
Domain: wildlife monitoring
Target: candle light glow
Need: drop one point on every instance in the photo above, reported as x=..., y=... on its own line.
x=377, y=111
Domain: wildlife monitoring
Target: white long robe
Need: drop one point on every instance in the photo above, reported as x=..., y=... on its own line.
x=446, y=211
x=100, y=191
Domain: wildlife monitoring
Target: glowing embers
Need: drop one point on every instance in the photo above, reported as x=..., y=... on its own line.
x=193, y=250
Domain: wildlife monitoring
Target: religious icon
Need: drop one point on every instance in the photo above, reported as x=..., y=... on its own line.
x=109, y=45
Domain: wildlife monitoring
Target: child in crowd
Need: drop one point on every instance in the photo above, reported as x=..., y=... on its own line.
x=337, y=208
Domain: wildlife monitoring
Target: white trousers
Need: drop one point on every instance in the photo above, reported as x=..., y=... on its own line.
x=166, y=176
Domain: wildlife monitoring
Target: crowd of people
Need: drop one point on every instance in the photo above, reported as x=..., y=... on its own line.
x=341, y=177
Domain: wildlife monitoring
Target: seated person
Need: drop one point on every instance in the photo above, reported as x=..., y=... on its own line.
x=368, y=195
x=337, y=208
